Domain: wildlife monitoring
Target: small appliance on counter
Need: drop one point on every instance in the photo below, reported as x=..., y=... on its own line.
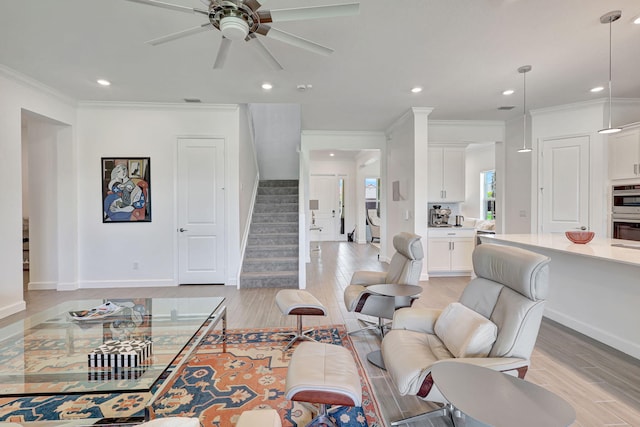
x=439, y=217
x=459, y=220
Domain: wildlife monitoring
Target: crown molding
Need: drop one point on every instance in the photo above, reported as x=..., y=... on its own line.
x=156, y=105
x=32, y=83
x=468, y=123
x=584, y=104
x=341, y=132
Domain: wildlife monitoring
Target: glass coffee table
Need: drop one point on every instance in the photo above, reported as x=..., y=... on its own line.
x=48, y=353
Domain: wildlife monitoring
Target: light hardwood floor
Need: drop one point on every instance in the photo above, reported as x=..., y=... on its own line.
x=602, y=384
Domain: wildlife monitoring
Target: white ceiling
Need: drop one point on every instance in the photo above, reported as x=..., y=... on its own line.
x=464, y=53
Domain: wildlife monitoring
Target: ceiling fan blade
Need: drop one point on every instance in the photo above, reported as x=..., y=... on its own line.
x=171, y=6
x=223, y=51
x=252, y=4
x=314, y=12
x=265, y=53
x=296, y=41
x=180, y=34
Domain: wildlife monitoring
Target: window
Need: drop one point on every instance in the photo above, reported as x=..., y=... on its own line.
x=488, y=194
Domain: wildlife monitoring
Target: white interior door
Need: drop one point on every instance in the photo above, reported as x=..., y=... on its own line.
x=201, y=231
x=565, y=184
x=324, y=189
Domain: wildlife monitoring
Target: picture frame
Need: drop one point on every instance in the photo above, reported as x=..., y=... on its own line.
x=126, y=189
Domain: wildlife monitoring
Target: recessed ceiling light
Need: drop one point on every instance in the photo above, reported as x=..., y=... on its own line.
x=416, y=89
x=597, y=89
x=331, y=154
x=636, y=20
x=103, y=82
x=267, y=86
x=508, y=92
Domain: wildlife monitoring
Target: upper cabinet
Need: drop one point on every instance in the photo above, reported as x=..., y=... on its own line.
x=624, y=154
x=446, y=174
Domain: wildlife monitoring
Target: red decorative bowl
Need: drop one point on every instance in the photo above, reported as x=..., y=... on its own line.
x=580, y=236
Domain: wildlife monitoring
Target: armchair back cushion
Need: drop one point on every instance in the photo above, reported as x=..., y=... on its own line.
x=510, y=289
x=464, y=332
x=406, y=264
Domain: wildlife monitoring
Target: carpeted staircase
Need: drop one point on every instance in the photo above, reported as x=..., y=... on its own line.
x=271, y=256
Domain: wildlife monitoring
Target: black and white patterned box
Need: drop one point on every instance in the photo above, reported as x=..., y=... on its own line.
x=120, y=354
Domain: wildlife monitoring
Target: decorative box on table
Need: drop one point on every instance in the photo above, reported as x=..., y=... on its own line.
x=120, y=354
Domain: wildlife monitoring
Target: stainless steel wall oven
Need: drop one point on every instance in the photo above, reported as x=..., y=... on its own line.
x=625, y=215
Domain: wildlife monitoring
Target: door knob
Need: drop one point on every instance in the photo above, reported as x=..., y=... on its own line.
x=182, y=230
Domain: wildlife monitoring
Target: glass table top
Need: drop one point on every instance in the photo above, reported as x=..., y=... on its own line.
x=48, y=353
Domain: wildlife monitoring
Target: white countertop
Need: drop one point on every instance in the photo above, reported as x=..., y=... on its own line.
x=599, y=247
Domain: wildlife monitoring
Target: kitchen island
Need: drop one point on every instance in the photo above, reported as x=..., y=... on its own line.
x=594, y=288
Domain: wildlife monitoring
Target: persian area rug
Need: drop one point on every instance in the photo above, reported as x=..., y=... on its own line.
x=216, y=387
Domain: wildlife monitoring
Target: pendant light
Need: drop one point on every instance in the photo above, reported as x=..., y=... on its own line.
x=609, y=18
x=524, y=70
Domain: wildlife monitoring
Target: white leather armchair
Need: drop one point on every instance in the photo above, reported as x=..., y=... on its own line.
x=494, y=324
x=374, y=223
x=405, y=269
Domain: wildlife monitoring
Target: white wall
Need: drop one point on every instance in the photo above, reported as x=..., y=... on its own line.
x=20, y=94
x=147, y=130
x=479, y=158
x=407, y=148
x=277, y=134
x=514, y=180
x=248, y=173
x=43, y=199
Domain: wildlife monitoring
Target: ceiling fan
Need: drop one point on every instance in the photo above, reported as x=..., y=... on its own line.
x=241, y=20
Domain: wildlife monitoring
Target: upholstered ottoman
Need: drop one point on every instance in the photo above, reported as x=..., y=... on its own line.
x=259, y=418
x=299, y=303
x=325, y=374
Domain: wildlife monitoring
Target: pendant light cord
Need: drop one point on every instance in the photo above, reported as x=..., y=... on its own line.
x=610, y=60
x=524, y=110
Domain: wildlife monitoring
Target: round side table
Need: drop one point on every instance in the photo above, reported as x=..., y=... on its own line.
x=492, y=398
x=389, y=290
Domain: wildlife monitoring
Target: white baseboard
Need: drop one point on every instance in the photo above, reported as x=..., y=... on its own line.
x=606, y=337
x=43, y=286
x=101, y=284
x=12, y=309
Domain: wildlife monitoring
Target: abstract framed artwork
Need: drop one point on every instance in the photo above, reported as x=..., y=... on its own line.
x=126, y=189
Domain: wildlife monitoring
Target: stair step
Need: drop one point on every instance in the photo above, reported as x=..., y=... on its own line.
x=278, y=183
x=274, y=217
x=273, y=239
x=277, y=198
x=270, y=264
x=276, y=207
x=274, y=228
x=278, y=190
x=272, y=279
x=266, y=251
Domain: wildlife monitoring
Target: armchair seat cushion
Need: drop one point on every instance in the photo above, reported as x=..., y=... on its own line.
x=465, y=332
x=407, y=354
x=366, y=278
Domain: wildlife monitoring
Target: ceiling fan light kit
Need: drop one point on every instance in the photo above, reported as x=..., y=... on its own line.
x=610, y=18
x=234, y=28
x=240, y=20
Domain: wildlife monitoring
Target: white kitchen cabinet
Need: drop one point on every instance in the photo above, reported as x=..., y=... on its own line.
x=624, y=154
x=446, y=174
x=449, y=250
